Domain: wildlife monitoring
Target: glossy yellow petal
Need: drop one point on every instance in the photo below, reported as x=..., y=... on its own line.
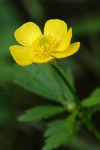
x=22, y=55
x=40, y=60
x=63, y=45
x=73, y=48
x=56, y=28
x=27, y=33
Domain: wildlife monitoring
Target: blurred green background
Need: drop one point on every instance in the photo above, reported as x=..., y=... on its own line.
x=84, y=17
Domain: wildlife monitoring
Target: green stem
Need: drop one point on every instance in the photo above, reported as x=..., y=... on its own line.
x=86, y=119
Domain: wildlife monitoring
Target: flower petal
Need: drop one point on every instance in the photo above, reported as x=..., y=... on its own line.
x=26, y=34
x=56, y=28
x=41, y=60
x=22, y=55
x=73, y=48
x=66, y=42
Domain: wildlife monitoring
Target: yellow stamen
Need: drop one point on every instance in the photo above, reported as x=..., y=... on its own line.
x=43, y=45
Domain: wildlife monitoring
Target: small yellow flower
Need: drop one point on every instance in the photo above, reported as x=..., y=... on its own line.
x=42, y=48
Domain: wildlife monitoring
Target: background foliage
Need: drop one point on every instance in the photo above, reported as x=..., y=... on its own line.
x=20, y=86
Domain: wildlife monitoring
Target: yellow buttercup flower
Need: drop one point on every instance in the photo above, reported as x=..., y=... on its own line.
x=42, y=48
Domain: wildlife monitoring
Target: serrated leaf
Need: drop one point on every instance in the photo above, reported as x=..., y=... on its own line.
x=43, y=80
x=55, y=141
x=70, y=121
x=55, y=127
x=96, y=92
x=93, y=99
x=58, y=132
x=41, y=112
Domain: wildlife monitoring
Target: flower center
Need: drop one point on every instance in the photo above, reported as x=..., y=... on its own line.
x=43, y=45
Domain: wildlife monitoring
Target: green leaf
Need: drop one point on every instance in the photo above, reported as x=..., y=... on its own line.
x=70, y=121
x=41, y=112
x=55, y=141
x=96, y=92
x=43, y=80
x=55, y=127
x=58, y=132
x=69, y=76
x=93, y=99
